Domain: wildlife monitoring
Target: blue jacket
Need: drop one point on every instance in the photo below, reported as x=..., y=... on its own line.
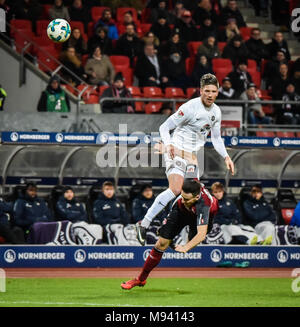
x=112, y=29
x=28, y=211
x=5, y=210
x=228, y=213
x=140, y=206
x=296, y=217
x=258, y=211
x=109, y=211
x=70, y=210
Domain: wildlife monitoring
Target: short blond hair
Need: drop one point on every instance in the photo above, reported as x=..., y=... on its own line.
x=217, y=186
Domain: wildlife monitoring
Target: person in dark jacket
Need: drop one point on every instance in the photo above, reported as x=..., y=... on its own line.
x=187, y=28
x=256, y=47
x=231, y=11
x=68, y=208
x=30, y=209
x=77, y=41
x=161, y=29
x=174, y=45
x=142, y=203
x=207, y=28
x=240, y=78
x=117, y=90
x=107, y=22
x=289, y=113
x=129, y=44
x=54, y=98
x=209, y=48
x=107, y=209
x=278, y=43
x=259, y=214
x=100, y=39
x=226, y=92
x=235, y=50
x=202, y=67
x=203, y=10
x=79, y=12
x=280, y=82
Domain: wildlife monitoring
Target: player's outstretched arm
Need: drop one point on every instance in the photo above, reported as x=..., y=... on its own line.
x=197, y=239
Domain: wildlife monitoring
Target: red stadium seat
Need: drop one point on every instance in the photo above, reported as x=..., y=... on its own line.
x=120, y=62
x=256, y=78
x=174, y=92
x=265, y=134
x=22, y=38
x=45, y=13
x=128, y=75
x=136, y=93
x=152, y=92
x=152, y=107
x=43, y=42
x=298, y=134
x=245, y=32
x=92, y=99
x=96, y=13
x=90, y=29
x=41, y=27
x=268, y=109
x=145, y=28
x=70, y=88
x=285, y=134
x=145, y=16
x=287, y=215
x=252, y=66
x=20, y=24
x=47, y=58
x=102, y=88
x=263, y=66
x=221, y=46
x=80, y=26
x=190, y=91
x=121, y=11
x=222, y=67
x=193, y=47
x=189, y=65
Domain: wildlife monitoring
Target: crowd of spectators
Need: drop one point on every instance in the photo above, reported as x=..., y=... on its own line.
x=158, y=53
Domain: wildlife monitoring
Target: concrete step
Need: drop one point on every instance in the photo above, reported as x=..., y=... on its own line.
x=264, y=27
x=294, y=51
x=257, y=19
x=247, y=12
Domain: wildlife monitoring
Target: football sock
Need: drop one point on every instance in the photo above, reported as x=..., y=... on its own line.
x=151, y=262
x=158, y=205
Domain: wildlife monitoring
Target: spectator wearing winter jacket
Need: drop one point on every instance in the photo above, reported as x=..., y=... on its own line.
x=100, y=39
x=58, y=10
x=256, y=47
x=202, y=67
x=226, y=92
x=235, y=50
x=80, y=12
x=107, y=22
x=30, y=209
x=289, y=113
x=68, y=208
x=240, y=78
x=5, y=210
x=278, y=43
x=203, y=10
x=107, y=209
x=209, y=49
x=187, y=28
x=174, y=45
x=231, y=11
x=161, y=29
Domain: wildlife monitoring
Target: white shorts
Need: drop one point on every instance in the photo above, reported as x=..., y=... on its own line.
x=180, y=167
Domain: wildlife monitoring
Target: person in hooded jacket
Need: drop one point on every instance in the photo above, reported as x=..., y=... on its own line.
x=54, y=98
x=58, y=10
x=100, y=39
x=235, y=50
x=209, y=48
x=68, y=208
x=107, y=22
x=30, y=209
x=202, y=67
x=107, y=209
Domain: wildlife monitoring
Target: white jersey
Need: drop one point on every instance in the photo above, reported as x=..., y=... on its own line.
x=193, y=123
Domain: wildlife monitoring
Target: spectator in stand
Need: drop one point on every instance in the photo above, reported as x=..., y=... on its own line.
x=30, y=209
x=205, y=9
x=289, y=113
x=76, y=41
x=7, y=6
x=226, y=92
x=58, y=10
x=256, y=114
x=279, y=83
x=231, y=30
x=161, y=29
x=27, y=9
x=166, y=109
x=142, y=203
x=69, y=208
x=278, y=43
x=296, y=217
x=209, y=49
x=256, y=47
x=107, y=209
x=3, y=96
x=295, y=79
x=207, y=28
x=99, y=69
x=80, y=13
x=175, y=71
x=187, y=28
x=129, y=44
x=280, y=14
x=100, y=39
x=177, y=11
x=260, y=7
x=128, y=20
x=73, y=64
x=240, y=77
x=202, y=67
x=149, y=68
x=117, y=90
x=151, y=38
x=259, y=215
x=272, y=67
x=231, y=11
x=54, y=98
x=161, y=9
x=107, y=21
x=235, y=50
x=174, y=45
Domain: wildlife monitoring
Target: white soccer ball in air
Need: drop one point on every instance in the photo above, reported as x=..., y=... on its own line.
x=59, y=30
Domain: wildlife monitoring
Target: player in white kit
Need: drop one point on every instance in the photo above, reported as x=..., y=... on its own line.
x=191, y=124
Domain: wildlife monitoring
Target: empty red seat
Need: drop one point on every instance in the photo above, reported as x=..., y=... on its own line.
x=136, y=93
x=120, y=62
x=222, y=67
x=102, y=88
x=41, y=27
x=152, y=107
x=47, y=58
x=268, y=109
x=174, y=92
x=285, y=134
x=265, y=134
x=252, y=66
x=245, y=32
x=152, y=92
x=193, y=47
x=92, y=99
x=96, y=12
x=121, y=11
x=189, y=65
x=128, y=76
x=70, y=88
x=40, y=41
x=190, y=91
x=287, y=215
x=22, y=38
x=20, y=24
x=221, y=46
x=256, y=78
x=145, y=27
x=45, y=13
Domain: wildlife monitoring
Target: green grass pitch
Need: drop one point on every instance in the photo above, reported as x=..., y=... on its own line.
x=193, y=292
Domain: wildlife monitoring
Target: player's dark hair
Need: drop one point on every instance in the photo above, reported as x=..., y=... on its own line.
x=191, y=186
x=30, y=185
x=208, y=79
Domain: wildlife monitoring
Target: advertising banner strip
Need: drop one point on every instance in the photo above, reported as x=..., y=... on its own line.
x=135, y=256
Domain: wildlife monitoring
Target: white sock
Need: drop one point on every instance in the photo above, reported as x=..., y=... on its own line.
x=158, y=205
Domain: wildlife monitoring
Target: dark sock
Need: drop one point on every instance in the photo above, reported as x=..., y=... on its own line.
x=151, y=262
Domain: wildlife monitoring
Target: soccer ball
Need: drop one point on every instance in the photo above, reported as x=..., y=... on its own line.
x=59, y=30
